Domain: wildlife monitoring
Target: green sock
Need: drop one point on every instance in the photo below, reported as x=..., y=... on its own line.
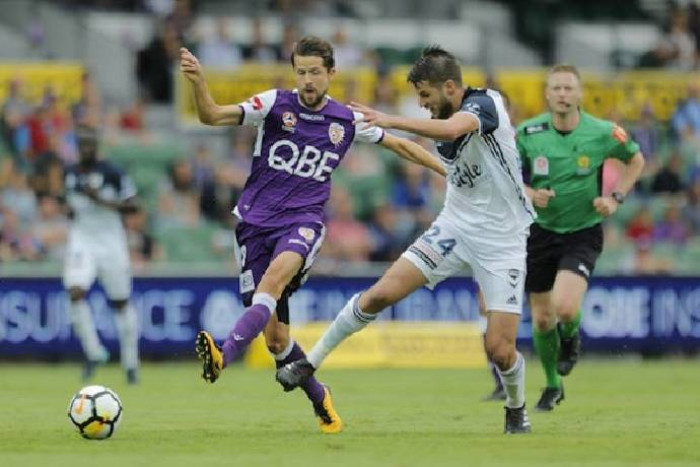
x=547, y=346
x=568, y=330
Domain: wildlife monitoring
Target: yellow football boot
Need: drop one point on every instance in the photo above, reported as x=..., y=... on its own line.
x=328, y=418
x=211, y=356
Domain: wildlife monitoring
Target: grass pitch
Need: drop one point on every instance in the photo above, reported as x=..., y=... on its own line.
x=616, y=413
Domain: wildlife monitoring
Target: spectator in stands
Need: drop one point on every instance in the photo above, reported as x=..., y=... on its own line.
x=385, y=94
x=686, y=119
x=290, y=35
x=50, y=230
x=17, y=244
x=386, y=245
x=347, y=239
x=671, y=228
x=131, y=119
x=259, y=51
x=218, y=49
x=691, y=211
x=13, y=123
x=154, y=64
x=178, y=199
x=347, y=54
x=669, y=180
x=645, y=261
x=142, y=247
x=88, y=110
x=20, y=196
x=641, y=227
x=412, y=195
x=646, y=134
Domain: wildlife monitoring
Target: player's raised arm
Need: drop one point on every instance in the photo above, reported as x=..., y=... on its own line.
x=443, y=130
x=209, y=112
x=412, y=152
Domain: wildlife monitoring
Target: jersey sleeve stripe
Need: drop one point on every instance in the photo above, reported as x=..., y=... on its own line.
x=497, y=153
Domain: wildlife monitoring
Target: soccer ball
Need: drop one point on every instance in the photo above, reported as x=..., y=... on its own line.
x=96, y=412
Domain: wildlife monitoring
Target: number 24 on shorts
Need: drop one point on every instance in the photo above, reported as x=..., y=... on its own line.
x=446, y=244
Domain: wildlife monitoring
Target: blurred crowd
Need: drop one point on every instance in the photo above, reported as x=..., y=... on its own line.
x=378, y=206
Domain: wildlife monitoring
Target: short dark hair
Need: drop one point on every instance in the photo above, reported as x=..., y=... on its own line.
x=312, y=46
x=435, y=65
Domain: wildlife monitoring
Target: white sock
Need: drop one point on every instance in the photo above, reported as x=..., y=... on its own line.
x=350, y=320
x=514, y=383
x=84, y=327
x=266, y=300
x=128, y=329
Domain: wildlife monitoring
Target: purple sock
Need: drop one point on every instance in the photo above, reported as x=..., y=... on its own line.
x=313, y=389
x=246, y=329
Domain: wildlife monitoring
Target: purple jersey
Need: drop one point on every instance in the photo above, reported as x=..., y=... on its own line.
x=296, y=151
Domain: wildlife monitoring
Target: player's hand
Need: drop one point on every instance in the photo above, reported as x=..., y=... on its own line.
x=371, y=116
x=190, y=66
x=605, y=205
x=542, y=196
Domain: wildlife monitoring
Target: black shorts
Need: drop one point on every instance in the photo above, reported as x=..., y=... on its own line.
x=550, y=252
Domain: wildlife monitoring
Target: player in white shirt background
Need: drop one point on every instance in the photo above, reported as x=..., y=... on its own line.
x=483, y=226
x=97, y=193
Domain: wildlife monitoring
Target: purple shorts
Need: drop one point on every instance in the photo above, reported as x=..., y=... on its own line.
x=258, y=246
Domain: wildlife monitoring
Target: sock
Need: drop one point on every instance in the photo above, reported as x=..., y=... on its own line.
x=313, y=388
x=84, y=327
x=492, y=367
x=128, y=329
x=569, y=330
x=514, y=383
x=248, y=326
x=350, y=320
x=547, y=346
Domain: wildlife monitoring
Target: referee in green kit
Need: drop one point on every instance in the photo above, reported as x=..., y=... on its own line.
x=563, y=152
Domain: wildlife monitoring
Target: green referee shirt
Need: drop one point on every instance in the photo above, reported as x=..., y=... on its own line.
x=572, y=165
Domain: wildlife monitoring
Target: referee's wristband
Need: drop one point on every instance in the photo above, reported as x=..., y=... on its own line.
x=618, y=196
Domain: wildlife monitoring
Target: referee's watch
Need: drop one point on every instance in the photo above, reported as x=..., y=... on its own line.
x=618, y=196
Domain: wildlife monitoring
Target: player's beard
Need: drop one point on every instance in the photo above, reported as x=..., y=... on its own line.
x=316, y=102
x=445, y=109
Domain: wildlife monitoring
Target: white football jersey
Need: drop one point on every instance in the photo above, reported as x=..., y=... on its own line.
x=485, y=192
x=91, y=219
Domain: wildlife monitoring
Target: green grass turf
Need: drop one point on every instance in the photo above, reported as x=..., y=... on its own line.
x=616, y=413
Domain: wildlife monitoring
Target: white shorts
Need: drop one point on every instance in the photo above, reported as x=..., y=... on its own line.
x=442, y=252
x=109, y=261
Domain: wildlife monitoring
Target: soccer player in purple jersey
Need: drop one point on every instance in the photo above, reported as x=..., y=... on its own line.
x=302, y=137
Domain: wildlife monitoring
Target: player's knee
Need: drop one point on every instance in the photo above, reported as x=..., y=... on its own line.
x=76, y=294
x=501, y=352
x=117, y=305
x=543, y=321
x=564, y=308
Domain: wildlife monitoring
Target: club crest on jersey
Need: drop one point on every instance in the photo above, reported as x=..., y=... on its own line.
x=289, y=121
x=540, y=165
x=336, y=133
x=307, y=233
x=583, y=165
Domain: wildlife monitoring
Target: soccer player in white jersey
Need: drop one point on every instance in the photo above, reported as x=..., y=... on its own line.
x=97, y=192
x=483, y=226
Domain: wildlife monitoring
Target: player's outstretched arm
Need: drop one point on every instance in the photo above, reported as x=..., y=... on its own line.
x=444, y=130
x=413, y=152
x=209, y=112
